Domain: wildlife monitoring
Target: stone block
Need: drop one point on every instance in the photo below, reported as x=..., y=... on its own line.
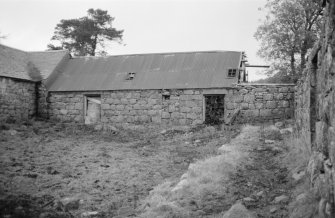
x=157, y=107
x=238, y=98
x=283, y=89
x=188, y=92
x=120, y=107
x=244, y=106
x=259, y=90
x=197, y=109
x=249, y=98
x=63, y=111
x=156, y=119
x=265, y=112
x=116, y=101
x=152, y=112
x=271, y=104
x=192, y=116
x=124, y=101
x=259, y=105
x=285, y=104
x=230, y=106
x=185, y=97
x=78, y=106
x=132, y=101
x=137, y=107
x=182, y=121
x=185, y=109
x=175, y=115
x=152, y=101
x=165, y=115
x=191, y=103
x=105, y=106
x=172, y=108
x=252, y=106
x=144, y=118
x=243, y=91
x=197, y=122
x=268, y=97
x=197, y=97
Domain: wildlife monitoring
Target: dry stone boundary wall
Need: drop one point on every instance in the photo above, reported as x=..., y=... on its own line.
x=315, y=114
x=261, y=102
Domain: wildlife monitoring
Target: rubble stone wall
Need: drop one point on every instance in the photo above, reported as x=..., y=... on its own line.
x=179, y=107
x=261, y=102
x=17, y=99
x=315, y=114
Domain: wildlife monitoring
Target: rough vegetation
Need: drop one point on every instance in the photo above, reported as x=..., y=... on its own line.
x=109, y=172
x=62, y=170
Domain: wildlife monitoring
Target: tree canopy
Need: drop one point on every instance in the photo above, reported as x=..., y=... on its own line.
x=88, y=35
x=290, y=29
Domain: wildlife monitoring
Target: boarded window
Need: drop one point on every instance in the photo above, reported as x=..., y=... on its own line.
x=92, y=109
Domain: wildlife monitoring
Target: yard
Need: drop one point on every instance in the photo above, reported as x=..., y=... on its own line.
x=109, y=172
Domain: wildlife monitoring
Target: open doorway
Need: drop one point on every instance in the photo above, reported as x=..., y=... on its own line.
x=214, y=109
x=92, y=109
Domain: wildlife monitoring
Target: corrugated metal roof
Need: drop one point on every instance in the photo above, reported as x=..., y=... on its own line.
x=152, y=71
x=13, y=62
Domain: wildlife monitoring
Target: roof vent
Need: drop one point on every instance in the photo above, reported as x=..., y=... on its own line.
x=131, y=76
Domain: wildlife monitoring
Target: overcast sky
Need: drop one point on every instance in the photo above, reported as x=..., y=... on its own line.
x=150, y=26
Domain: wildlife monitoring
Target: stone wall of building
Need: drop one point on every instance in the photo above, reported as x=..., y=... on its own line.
x=17, y=99
x=42, y=96
x=176, y=107
x=261, y=102
x=315, y=114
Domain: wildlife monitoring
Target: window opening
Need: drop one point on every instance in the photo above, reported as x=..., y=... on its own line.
x=232, y=72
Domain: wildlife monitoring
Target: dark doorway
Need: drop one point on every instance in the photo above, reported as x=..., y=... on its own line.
x=214, y=109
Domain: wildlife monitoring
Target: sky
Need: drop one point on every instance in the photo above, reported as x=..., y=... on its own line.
x=150, y=26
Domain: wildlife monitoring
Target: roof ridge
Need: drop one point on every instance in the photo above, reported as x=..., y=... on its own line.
x=63, y=50
x=159, y=53
x=13, y=48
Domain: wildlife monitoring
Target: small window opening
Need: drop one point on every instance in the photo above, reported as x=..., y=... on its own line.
x=166, y=97
x=166, y=94
x=131, y=76
x=232, y=73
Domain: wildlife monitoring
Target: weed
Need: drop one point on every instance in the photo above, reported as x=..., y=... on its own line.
x=299, y=152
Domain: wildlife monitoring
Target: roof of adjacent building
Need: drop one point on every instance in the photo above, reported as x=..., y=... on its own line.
x=14, y=62
x=206, y=69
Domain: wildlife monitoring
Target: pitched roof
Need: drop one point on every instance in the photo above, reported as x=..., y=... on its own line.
x=152, y=71
x=13, y=62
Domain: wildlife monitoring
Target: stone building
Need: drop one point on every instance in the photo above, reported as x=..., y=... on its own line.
x=20, y=76
x=183, y=88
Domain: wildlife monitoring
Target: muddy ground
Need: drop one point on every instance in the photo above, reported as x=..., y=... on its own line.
x=110, y=172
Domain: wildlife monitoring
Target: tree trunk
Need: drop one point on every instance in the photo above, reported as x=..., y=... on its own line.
x=294, y=76
x=303, y=56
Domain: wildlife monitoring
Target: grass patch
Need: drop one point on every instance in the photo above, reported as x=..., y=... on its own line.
x=204, y=188
x=305, y=201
